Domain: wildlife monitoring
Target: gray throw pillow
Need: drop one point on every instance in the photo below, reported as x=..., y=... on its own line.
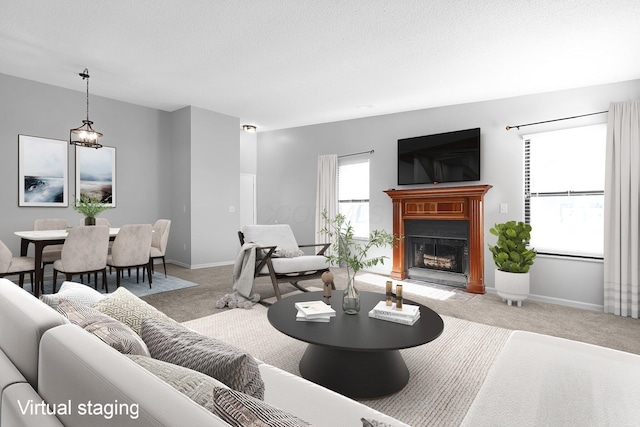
x=114, y=333
x=240, y=410
x=195, y=385
x=181, y=346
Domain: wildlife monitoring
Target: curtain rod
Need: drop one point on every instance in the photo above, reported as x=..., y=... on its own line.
x=355, y=154
x=555, y=120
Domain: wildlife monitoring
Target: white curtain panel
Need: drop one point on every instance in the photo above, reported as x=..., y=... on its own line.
x=327, y=192
x=622, y=210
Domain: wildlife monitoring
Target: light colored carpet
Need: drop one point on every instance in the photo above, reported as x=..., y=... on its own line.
x=445, y=375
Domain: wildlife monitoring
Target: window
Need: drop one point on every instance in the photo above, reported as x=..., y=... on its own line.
x=353, y=194
x=564, y=190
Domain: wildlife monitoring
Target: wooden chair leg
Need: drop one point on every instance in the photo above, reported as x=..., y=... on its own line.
x=117, y=277
x=21, y=280
x=164, y=264
x=274, y=281
x=148, y=268
x=105, y=285
x=55, y=279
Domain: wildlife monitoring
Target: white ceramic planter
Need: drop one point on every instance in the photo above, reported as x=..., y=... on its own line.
x=512, y=286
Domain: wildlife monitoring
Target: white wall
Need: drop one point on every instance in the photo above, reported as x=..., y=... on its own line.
x=287, y=170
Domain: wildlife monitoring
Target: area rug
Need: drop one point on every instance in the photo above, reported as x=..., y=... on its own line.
x=445, y=375
x=159, y=284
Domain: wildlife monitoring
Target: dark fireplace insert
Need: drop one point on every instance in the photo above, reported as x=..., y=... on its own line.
x=437, y=251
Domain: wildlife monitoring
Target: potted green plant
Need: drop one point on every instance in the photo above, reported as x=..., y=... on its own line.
x=90, y=206
x=513, y=258
x=354, y=255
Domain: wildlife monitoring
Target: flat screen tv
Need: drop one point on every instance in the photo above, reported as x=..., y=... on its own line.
x=443, y=157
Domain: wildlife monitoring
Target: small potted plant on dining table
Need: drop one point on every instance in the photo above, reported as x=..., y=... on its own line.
x=90, y=206
x=346, y=251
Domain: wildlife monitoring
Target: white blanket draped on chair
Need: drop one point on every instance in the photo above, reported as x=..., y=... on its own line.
x=243, y=270
x=622, y=210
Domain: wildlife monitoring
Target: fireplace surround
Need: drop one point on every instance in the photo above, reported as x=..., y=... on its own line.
x=464, y=203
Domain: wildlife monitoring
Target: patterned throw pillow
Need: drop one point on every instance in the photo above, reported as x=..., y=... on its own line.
x=368, y=422
x=195, y=385
x=115, y=334
x=124, y=306
x=241, y=410
x=181, y=346
x=72, y=291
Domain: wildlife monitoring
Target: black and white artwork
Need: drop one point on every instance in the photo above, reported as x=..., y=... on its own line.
x=43, y=171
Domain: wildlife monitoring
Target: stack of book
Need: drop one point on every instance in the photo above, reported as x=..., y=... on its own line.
x=407, y=316
x=314, y=311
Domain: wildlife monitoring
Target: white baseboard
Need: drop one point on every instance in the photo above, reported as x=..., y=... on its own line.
x=559, y=301
x=196, y=266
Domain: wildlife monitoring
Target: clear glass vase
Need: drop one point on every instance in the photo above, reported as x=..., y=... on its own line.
x=351, y=297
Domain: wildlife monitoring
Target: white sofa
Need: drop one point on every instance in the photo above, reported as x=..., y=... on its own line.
x=45, y=359
x=540, y=380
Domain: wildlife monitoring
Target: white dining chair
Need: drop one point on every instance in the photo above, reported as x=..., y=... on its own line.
x=10, y=265
x=159, y=240
x=131, y=249
x=84, y=251
x=52, y=252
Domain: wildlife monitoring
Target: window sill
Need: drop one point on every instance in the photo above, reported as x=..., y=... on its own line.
x=571, y=257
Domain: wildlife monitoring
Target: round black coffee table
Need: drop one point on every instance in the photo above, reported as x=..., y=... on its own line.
x=355, y=355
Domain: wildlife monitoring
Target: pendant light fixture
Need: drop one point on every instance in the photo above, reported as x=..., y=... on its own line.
x=84, y=135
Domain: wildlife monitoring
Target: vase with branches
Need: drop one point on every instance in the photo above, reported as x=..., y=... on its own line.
x=352, y=254
x=89, y=207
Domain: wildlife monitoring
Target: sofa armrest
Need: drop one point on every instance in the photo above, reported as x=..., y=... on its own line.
x=544, y=380
x=315, y=404
x=76, y=366
x=19, y=408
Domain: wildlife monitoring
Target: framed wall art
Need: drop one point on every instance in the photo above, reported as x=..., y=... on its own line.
x=96, y=173
x=43, y=167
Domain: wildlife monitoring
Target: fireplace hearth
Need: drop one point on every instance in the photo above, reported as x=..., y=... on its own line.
x=442, y=230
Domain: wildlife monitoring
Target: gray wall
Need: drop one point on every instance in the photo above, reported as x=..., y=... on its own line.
x=182, y=166
x=287, y=170
x=215, y=187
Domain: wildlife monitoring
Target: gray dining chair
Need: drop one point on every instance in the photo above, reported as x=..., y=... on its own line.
x=51, y=253
x=131, y=249
x=10, y=265
x=85, y=251
x=159, y=240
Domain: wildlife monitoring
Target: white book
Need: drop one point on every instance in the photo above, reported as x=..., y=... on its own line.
x=300, y=317
x=409, y=311
x=315, y=309
x=400, y=320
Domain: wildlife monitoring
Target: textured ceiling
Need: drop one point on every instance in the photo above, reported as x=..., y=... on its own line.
x=284, y=63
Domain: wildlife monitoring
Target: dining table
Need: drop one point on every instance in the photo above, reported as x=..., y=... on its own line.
x=41, y=239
